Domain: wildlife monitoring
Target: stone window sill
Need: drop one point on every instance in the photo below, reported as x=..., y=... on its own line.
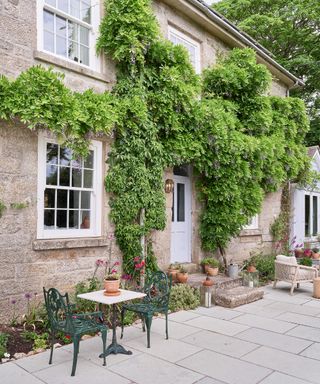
x=47, y=58
x=45, y=244
x=251, y=232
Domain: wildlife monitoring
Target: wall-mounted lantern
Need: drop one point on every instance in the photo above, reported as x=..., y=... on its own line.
x=169, y=186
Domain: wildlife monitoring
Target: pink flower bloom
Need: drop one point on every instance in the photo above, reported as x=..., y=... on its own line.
x=114, y=271
x=117, y=263
x=136, y=259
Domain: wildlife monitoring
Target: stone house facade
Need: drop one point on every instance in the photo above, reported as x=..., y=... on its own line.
x=53, y=238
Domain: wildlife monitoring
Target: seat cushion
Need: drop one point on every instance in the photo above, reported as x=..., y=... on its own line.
x=287, y=259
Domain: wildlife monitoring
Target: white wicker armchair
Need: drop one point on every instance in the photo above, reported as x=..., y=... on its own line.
x=287, y=269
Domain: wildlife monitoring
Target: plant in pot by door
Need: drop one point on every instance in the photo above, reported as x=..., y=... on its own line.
x=112, y=280
x=182, y=275
x=209, y=262
x=213, y=267
x=173, y=270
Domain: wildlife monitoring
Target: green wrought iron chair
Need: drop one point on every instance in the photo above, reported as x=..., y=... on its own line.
x=62, y=318
x=157, y=289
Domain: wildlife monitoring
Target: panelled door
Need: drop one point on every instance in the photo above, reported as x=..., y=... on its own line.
x=181, y=218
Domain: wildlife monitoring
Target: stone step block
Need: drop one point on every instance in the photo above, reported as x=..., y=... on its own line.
x=234, y=297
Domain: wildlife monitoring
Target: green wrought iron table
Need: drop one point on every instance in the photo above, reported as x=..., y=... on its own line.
x=99, y=297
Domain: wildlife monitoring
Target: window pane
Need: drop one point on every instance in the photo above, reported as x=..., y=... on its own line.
x=84, y=36
x=61, y=218
x=65, y=156
x=85, y=219
x=51, y=175
x=86, y=11
x=172, y=209
x=65, y=176
x=307, y=215
x=88, y=162
x=76, y=177
x=61, y=27
x=87, y=178
x=75, y=8
x=63, y=5
x=180, y=202
x=49, y=198
x=50, y=2
x=85, y=200
x=52, y=153
x=48, y=41
x=62, y=198
x=74, y=199
x=73, y=219
x=84, y=55
x=48, y=219
x=61, y=46
x=73, y=51
x=315, y=216
x=73, y=31
x=48, y=21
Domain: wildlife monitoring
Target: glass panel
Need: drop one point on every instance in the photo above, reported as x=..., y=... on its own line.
x=50, y=2
x=87, y=178
x=63, y=5
x=315, y=216
x=73, y=31
x=307, y=215
x=86, y=11
x=180, y=202
x=172, y=209
x=75, y=8
x=52, y=153
x=85, y=200
x=76, y=177
x=65, y=176
x=181, y=170
x=61, y=218
x=49, y=198
x=88, y=162
x=74, y=199
x=48, y=219
x=73, y=219
x=62, y=198
x=84, y=55
x=48, y=21
x=73, y=51
x=84, y=36
x=65, y=156
x=51, y=175
x=61, y=46
x=48, y=41
x=85, y=219
x=61, y=27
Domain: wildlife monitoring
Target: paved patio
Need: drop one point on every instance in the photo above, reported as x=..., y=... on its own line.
x=273, y=341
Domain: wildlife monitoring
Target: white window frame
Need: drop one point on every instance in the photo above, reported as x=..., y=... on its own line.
x=311, y=196
x=94, y=62
x=253, y=223
x=96, y=196
x=175, y=32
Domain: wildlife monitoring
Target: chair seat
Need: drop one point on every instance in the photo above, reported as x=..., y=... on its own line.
x=87, y=325
x=143, y=308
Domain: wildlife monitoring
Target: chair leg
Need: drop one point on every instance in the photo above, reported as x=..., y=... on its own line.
x=123, y=311
x=76, y=341
x=143, y=324
x=292, y=288
x=167, y=336
x=148, y=320
x=298, y=285
x=274, y=283
x=51, y=351
x=104, y=344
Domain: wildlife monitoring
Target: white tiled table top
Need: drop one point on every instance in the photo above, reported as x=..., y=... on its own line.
x=99, y=297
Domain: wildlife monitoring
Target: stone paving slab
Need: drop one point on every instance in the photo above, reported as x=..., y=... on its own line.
x=176, y=330
x=277, y=326
x=313, y=351
x=11, y=373
x=217, y=325
x=217, y=312
x=226, y=345
x=225, y=368
x=297, y=318
x=275, y=340
x=307, y=333
x=280, y=378
x=183, y=316
x=304, y=309
x=287, y=363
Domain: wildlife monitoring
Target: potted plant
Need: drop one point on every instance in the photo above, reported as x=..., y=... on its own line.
x=208, y=262
x=315, y=253
x=112, y=280
x=182, y=275
x=213, y=267
x=173, y=270
x=307, y=252
x=306, y=261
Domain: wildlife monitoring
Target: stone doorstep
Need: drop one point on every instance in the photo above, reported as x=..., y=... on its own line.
x=234, y=297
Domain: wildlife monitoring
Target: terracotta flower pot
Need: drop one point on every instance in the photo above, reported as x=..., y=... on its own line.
x=208, y=282
x=316, y=256
x=182, y=277
x=112, y=286
x=251, y=268
x=212, y=271
x=298, y=252
x=173, y=273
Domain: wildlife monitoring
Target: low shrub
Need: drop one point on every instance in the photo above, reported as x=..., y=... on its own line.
x=4, y=337
x=306, y=261
x=183, y=296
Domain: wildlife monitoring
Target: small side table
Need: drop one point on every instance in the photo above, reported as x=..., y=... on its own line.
x=316, y=287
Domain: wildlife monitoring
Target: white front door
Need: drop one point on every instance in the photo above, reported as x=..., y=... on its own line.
x=181, y=220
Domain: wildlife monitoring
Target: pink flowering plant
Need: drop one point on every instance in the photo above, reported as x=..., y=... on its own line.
x=112, y=271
